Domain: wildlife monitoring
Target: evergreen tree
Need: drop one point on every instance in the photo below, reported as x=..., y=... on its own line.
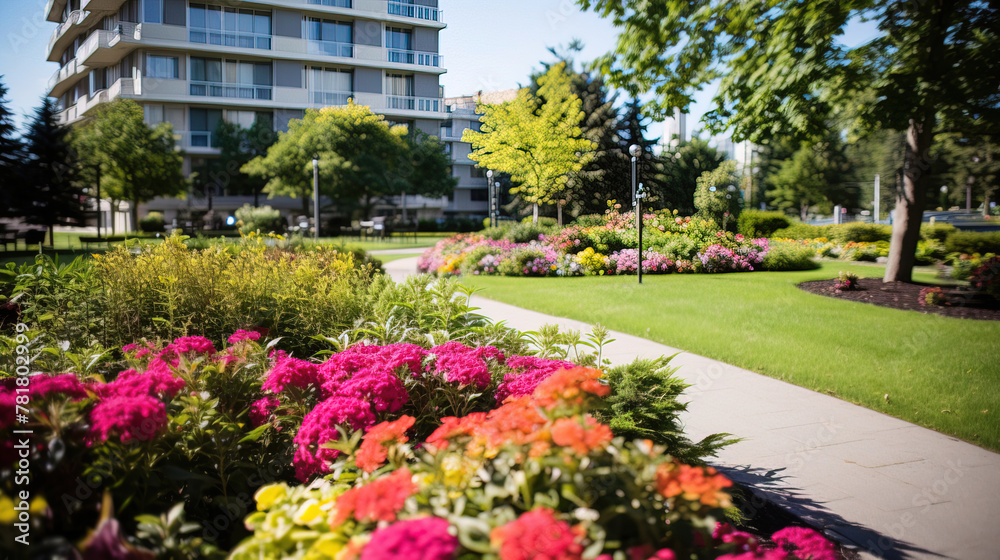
x=10, y=155
x=964, y=161
x=813, y=179
x=52, y=195
x=680, y=168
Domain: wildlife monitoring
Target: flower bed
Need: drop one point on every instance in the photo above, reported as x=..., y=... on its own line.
x=671, y=245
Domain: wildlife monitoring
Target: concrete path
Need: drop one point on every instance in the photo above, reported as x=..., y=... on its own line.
x=890, y=488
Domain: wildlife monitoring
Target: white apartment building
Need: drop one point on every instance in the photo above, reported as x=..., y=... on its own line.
x=193, y=63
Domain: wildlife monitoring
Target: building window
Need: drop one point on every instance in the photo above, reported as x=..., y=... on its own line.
x=202, y=125
x=334, y=3
x=408, y=8
x=162, y=67
x=213, y=77
x=152, y=11
x=399, y=46
x=479, y=195
x=152, y=114
x=330, y=86
x=329, y=37
x=231, y=27
x=477, y=173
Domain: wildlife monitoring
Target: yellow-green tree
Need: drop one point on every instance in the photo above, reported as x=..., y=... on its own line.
x=536, y=140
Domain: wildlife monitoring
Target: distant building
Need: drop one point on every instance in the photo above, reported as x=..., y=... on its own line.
x=194, y=63
x=674, y=130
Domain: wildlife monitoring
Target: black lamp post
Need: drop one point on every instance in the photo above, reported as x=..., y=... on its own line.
x=639, y=195
x=489, y=196
x=634, y=150
x=316, y=198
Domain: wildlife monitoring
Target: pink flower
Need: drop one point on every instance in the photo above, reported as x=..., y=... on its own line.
x=320, y=426
x=426, y=538
x=241, y=335
x=157, y=381
x=132, y=417
x=537, y=534
x=261, y=411
x=528, y=373
x=804, y=543
x=289, y=371
x=41, y=386
x=188, y=345
x=464, y=365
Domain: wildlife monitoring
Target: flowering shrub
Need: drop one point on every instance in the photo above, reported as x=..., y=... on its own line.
x=846, y=281
x=933, y=296
x=986, y=277
x=538, y=477
x=609, y=248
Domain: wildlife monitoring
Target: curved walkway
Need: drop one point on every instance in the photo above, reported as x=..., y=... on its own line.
x=887, y=487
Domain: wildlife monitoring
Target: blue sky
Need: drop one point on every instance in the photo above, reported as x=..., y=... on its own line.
x=488, y=45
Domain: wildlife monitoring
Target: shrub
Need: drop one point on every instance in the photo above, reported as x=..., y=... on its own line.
x=152, y=222
x=717, y=198
x=933, y=296
x=798, y=230
x=786, y=255
x=720, y=258
x=589, y=220
x=263, y=219
x=970, y=242
x=846, y=282
x=679, y=247
x=986, y=278
x=938, y=232
x=525, y=232
x=963, y=265
x=860, y=232
x=757, y=223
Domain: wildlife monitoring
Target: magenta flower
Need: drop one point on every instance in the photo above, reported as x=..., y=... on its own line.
x=41, y=386
x=261, y=411
x=186, y=345
x=804, y=543
x=288, y=371
x=241, y=335
x=131, y=417
x=427, y=538
x=157, y=381
x=528, y=372
x=464, y=365
x=320, y=426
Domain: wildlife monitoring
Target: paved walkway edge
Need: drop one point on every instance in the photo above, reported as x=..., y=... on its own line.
x=890, y=488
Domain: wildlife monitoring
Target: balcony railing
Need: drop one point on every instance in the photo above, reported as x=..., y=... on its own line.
x=237, y=91
x=415, y=11
x=420, y=58
x=125, y=33
x=200, y=139
x=330, y=48
x=407, y=103
x=75, y=17
x=330, y=98
x=242, y=40
x=67, y=70
x=333, y=3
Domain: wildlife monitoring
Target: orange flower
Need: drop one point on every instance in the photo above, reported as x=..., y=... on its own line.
x=378, y=500
x=702, y=484
x=569, y=386
x=583, y=438
x=374, y=446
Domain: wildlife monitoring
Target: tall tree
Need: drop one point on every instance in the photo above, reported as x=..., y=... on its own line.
x=237, y=146
x=812, y=179
x=50, y=194
x=361, y=159
x=968, y=162
x=783, y=70
x=681, y=166
x=137, y=162
x=539, y=144
x=10, y=154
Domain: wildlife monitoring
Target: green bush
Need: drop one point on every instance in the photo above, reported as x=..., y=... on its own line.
x=971, y=242
x=678, y=248
x=525, y=232
x=937, y=232
x=589, y=220
x=784, y=255
x=263, y=219
x=152, y=222
x=757, y=223
x=717, y=197
x=798, y=230
x=860, y=232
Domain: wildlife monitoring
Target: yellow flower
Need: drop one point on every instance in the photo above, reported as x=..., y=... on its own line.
x=267, y=495
x=38, y=505
x=7, y=515
x=307, y=512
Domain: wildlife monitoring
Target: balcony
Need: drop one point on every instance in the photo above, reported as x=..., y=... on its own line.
x=101, y=5
x=54, y=10
x=234, y=91
x=415, y=11
x=419, y=104
x=122, y=87
x=103, y=48
x=329, y=98
x=59, y=37
x=330, y=48
x=58, y=83
x=420, y=58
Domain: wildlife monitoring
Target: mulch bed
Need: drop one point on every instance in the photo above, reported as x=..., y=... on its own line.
x=903, y=295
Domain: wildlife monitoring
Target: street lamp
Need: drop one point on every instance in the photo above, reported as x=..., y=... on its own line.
x=944, y=197
x=489, y=195
x=495, y=203
x=316, y=198
x=639, y=195
x=634, y=150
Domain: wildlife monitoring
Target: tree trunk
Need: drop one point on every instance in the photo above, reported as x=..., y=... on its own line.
x=134, y=212
x=305, y=204
x=534, y=213
x=909, y=210
x=803, y=211
x=114, y=215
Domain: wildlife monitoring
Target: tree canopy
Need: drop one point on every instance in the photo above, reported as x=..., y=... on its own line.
x=10, y=153
x=784, y=70
x=536, y=140
x=361, y=158
x=137, y=162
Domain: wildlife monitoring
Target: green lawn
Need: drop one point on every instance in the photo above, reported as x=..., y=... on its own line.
x=938, y=372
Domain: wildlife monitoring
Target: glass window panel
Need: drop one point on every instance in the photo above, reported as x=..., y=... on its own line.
x=213, y=70
x=232, y=72
x=152, y=11
x=344, y=35
x=199, y=119
x=265, y=118
x=262, y=23
x=246, y=21
x=198, y=69
x=197, y=15
x=213, y=18
x=329, y=31
x=229, y=19
x=153, y=114
x=246, y=73
x=262, y=74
